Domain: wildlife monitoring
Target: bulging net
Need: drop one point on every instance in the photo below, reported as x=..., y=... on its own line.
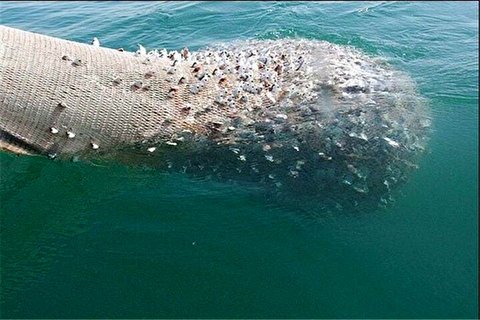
x=294, y=115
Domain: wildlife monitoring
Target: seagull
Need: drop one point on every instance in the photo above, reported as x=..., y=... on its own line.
x=95, y=42
x=141, y=51
x=163, y=53
x=175, y=55
x=77, y=62
x=185, y=53
x=154, y=53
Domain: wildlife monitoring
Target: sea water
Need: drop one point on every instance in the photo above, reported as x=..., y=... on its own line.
x=86, y=241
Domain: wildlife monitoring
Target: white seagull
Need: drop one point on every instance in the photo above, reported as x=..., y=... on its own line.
x=95, y=42
x=141, y=51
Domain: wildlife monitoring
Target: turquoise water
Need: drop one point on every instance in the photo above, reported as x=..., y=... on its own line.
x=86, y=241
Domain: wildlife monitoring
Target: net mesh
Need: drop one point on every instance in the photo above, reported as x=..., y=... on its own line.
x=273, y=111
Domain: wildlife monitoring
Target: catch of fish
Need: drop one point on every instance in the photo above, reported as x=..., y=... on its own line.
x=297, y=116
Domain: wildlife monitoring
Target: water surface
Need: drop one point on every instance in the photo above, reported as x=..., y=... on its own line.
x=85, y=241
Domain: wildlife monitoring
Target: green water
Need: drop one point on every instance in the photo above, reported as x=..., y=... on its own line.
x=86, y=241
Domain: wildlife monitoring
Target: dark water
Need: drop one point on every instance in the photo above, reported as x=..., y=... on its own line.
x=79, y=240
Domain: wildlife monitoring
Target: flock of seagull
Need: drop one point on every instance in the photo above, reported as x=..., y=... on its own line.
x=322, y=101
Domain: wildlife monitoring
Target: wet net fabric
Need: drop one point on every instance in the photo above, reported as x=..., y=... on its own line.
x=281, y=112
